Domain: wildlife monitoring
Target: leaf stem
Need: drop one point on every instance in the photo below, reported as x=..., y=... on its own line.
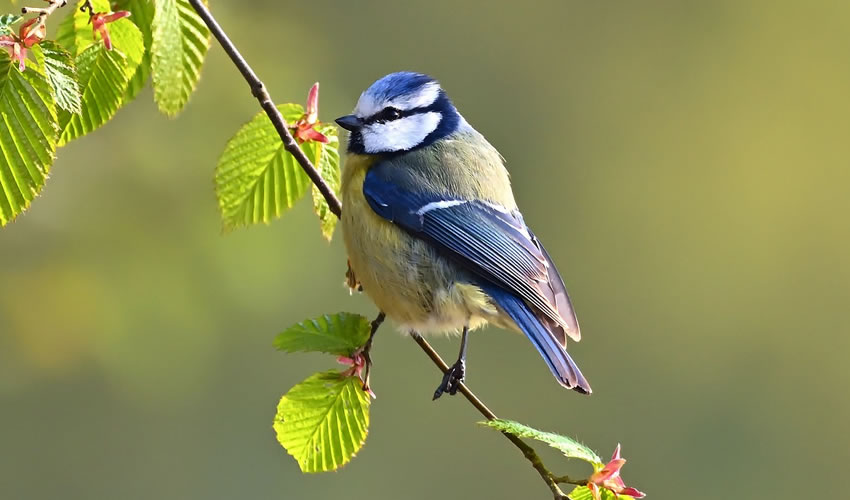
x=367, y=349
x=262, y=95
x=258, y=89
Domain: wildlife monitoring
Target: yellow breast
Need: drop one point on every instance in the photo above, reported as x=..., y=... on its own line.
x=404, y=276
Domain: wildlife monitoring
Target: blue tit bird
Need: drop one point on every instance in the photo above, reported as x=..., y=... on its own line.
x=433, y=233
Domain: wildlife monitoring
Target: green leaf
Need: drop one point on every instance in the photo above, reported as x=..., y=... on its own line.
x=584, y=493
x=143, y=12
x=27, y=136
x=61, y=74
x=180, y=42
x=326, y=159
x=340, y=334
x=75, y=31
x=6, y=22
x=256, y=179
x=104, y=76
x=322, y=422
x=569, y=447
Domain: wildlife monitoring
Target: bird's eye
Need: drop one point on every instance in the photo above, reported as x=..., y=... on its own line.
x=389, y=114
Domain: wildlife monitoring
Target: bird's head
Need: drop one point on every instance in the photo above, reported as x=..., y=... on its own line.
x=400, y=112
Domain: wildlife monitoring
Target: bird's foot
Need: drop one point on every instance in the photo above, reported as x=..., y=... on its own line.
x=452, y=379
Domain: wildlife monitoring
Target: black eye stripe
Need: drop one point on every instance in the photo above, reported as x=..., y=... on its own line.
x=389, y=114
x=385, y=115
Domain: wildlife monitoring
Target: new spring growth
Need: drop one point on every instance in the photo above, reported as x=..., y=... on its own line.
x=609, y=477
x=99, y=20
x=357, y=362
x=27, y=36
x=304, y=129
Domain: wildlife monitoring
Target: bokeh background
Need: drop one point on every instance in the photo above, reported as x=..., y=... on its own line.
x=686, y=164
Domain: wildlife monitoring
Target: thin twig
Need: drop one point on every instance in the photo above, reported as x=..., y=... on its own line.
x=367, y=350
x=259, y=91
x=43, y=13
x=568, y=480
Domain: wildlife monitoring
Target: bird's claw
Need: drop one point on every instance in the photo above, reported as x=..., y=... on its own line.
x=452, y=379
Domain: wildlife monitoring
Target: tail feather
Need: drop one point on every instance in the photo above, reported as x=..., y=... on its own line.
x=539, y=332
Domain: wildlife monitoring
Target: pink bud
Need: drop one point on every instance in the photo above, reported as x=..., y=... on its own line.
x=608, y=477
x=343, y=360
x=632, y=492
x=30, y=37
x=99, y=20
x=312, y=115
x=311, y=134
x=20, y=53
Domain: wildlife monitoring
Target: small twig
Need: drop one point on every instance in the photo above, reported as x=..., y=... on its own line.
x=259, y=91
x=568, y=480
x=43, y=13
x=87, y=6
x=367, y=349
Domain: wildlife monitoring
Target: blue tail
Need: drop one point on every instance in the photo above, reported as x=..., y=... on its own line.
x=536, y=329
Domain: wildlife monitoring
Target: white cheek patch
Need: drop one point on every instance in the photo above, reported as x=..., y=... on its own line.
x=401, y=134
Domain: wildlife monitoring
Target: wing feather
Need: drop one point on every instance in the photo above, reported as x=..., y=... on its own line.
x=489, y=240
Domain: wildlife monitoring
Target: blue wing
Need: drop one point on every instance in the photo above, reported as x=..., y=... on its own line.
x=494, y=244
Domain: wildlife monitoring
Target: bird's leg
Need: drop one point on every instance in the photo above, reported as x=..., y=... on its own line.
x=366, y=350
x=455, y=374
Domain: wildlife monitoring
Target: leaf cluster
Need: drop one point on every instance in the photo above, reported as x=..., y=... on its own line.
x=323, y=421
x=75, y=84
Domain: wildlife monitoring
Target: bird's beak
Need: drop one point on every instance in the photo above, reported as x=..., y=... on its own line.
x=349, y=122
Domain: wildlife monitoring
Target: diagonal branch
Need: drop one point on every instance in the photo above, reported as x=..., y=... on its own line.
x=526, y=450
x=259, y=91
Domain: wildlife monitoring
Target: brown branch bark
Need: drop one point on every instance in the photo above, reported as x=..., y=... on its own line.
x=259, y=91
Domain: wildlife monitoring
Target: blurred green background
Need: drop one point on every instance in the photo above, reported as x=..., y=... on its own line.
x=686, y=164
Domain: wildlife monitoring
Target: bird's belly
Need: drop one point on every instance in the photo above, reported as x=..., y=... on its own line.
x=406, y=277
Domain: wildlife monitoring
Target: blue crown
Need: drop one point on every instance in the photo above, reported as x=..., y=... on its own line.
x=398, y=84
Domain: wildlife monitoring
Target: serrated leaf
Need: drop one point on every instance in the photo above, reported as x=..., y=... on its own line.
x=6, y=22
x=103, y=76
x=27, y=136
x=180, y=43
x=75, y=32
x=326, y=159
x=256, y=180
x=143, y=12
x=339, y=334
x=323, y=421
x=568, y=446
x=61, y=74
